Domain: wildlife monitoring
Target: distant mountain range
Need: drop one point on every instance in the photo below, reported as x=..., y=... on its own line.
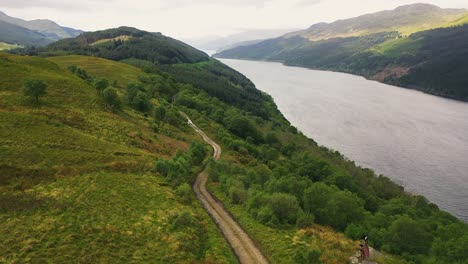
x=217, y=43
x=417, y=46
x=38, y=32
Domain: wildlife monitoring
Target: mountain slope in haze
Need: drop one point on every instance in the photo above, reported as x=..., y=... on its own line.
x=432, y=61
x=247, y=37
x=13, y=34
x=44, y=26
x=39, y=32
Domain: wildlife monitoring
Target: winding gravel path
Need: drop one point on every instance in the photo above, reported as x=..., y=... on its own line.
x=244, y=247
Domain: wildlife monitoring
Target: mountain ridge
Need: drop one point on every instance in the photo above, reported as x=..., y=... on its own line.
x=45, y=27
x=406, y=19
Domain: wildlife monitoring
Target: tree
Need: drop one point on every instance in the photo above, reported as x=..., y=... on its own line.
x=197, y=152
x=243, y=127
x=332, y=206
x=34, y=88
x=160, y=114
x=111, y=98
x=285, y=207
x=407, y=235
x=141, y=102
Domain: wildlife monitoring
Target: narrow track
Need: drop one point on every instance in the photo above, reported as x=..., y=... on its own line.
x=243, y=246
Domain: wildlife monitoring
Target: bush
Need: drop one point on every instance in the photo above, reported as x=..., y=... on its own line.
x=238, y=194
x=355, y=231
x=307, y=256
x=305, y=220
x=185, y=219
x=185, y=193
x=101, y=84
x=111, y=98
x=141, y=102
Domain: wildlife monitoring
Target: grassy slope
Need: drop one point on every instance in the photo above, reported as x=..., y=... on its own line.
x=73, y=184
x=120, y=72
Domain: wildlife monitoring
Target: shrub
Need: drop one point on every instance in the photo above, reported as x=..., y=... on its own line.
x=304, y=255
x=101, y=84
x=111, y=98
x=141, y=102
x=305, y=220
x=238, y=194
x=185, y=219
x=185, y=193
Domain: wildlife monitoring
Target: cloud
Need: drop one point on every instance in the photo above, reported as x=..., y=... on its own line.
x=166, y=4
x=50, y=4
x=196, y=18
x=309, y=2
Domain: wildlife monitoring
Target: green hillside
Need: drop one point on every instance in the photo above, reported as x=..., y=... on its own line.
x=108, y=181
x=141, y=45
x=75, y=182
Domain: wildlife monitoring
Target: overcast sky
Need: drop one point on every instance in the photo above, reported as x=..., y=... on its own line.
x=197, y=18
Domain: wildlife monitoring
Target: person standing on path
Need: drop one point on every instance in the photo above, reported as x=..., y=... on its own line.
x=365, y=249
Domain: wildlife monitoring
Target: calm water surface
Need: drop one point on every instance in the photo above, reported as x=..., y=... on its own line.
x=418, y=140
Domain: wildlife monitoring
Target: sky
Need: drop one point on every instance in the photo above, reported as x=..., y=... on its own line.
x=199, y=18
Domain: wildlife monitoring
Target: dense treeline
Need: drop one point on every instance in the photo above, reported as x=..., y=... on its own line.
x=224, y=83
x=433, y=61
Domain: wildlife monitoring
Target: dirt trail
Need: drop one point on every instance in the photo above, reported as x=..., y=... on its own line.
x=244, y=247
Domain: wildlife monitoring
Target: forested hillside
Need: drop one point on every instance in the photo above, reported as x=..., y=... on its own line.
x=125, y=43
x=108, y=176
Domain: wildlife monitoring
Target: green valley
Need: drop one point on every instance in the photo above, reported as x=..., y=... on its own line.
x=100, y=168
